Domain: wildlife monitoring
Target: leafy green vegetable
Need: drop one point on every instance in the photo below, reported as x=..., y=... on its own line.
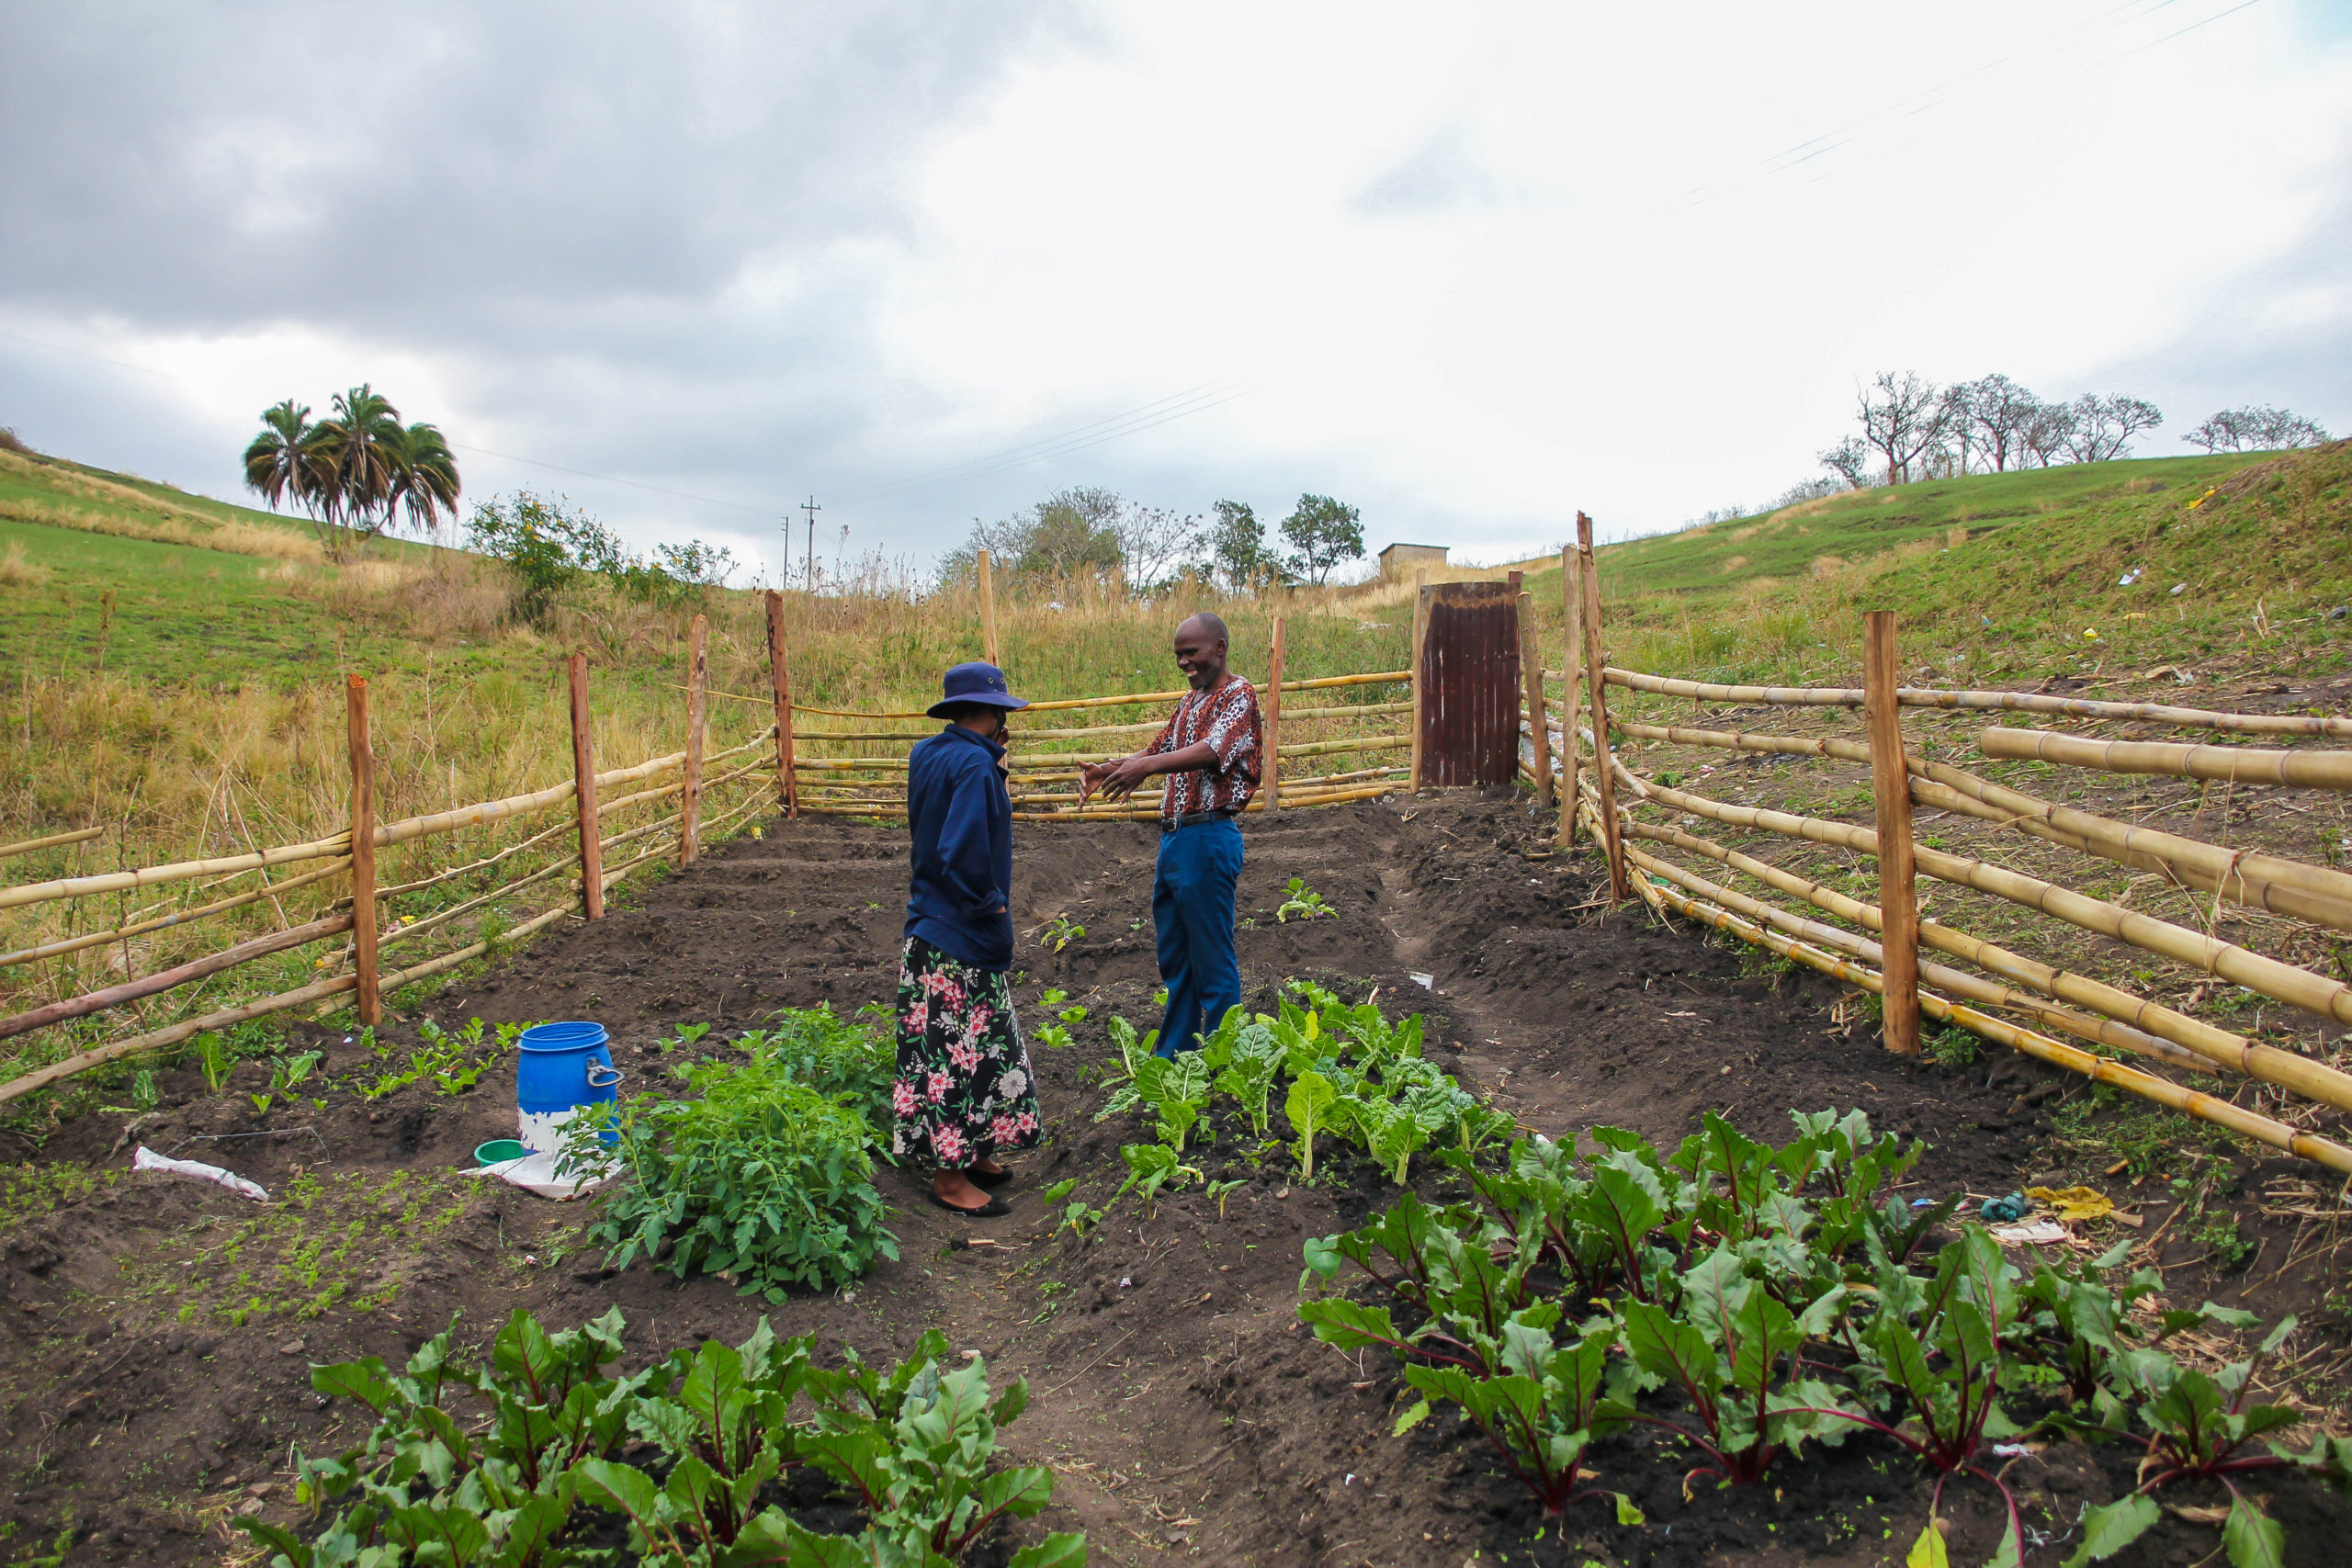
x=760, y=1178
x=1310, y=1096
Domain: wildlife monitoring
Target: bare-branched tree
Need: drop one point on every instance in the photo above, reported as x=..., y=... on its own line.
x=2103, y=427
x=1902, y=417
x=1850, y=461
x=1999, y=410
x=2256, y=428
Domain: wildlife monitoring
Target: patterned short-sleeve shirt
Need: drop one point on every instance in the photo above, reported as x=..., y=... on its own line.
x=1227, y=718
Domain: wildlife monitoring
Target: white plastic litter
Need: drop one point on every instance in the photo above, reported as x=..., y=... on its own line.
x=538, y=1173
x=148, y=1159
x=2037, y=1233
x=1426, y=982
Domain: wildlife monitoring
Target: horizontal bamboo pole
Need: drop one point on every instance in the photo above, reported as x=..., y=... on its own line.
x=2281, y=981
x=2016, y=701
x=542, y=836
x=1743, y=740
x=605, y=807
x=1323, y=682
x=2162, y=1029
x=170, y=979
x=2205, y=1107
x=644, y=770
x=160, y=923
x=2231, y=764
x=2283, y=887
x=479, y=814
x=1960, y=982
x=1706, y=691
x=25, y=847
x=155, y=876
x=1140, y=813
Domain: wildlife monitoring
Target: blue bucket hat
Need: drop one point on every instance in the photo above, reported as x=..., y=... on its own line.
x=974, y=682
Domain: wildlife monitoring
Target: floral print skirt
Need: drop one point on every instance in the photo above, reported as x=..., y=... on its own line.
x=964, y=1091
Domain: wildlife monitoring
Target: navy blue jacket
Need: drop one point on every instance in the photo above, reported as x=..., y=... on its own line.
x=959, y=896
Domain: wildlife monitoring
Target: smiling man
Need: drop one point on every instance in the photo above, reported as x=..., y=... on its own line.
x=1212, y=750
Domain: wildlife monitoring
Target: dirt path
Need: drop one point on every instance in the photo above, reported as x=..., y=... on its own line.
x=1187, y=1415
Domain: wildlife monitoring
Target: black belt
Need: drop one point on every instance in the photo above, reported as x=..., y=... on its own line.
x=1194, y=818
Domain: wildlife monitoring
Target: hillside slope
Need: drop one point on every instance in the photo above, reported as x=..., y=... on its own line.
x=2010, y=576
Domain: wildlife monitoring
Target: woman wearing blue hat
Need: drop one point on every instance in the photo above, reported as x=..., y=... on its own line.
x=965, y=1094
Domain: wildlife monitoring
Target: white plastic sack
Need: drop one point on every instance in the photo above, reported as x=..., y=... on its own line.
x=148, y=1159
x=537, y=1173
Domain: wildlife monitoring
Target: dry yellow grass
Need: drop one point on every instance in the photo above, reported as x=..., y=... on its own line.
x=120, y=510
x=16, y=571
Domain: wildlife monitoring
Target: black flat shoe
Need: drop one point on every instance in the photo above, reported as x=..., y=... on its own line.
x=987, y=1211
x=991, y=1179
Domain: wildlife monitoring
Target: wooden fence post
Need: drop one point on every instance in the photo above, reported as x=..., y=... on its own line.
x=583, y=770
x=1891, y=782
x=1597, y=693
x=363, y=850
x=1420, y=626
x=787, y=787
x=988, y=613
x=1274, y=721
x=1538, y=722
x=697, y=724
x=1571, y=674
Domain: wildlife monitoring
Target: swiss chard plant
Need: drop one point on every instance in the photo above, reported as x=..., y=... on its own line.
x=2194, y=1425
x=427, y=1485
x=916, y=1446
x=1736, y=1355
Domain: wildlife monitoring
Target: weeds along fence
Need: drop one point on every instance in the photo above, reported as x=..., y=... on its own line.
x=607, y=824
x=610, y=823
x=1644, y=825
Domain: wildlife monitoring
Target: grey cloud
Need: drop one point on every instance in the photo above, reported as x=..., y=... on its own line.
x=1440, y=176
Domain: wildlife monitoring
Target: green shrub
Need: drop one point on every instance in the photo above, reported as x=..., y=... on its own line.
x=758, y=1177
x=850, y=1059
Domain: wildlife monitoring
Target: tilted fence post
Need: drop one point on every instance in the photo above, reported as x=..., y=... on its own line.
x=1420, y=630
x=1597, y=693
x=988, y=613
x=1571, y=669
x=1891, y=783
x=1539, y=724
x=697, y=725
x=363, y=851
x=1274, y=720
x=583, y=771
x=787, y=787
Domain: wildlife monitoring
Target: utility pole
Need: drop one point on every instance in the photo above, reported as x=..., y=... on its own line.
x=811, y=508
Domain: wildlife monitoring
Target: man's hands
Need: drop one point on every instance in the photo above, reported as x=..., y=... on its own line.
x=1115, y=779
x=1118, y=780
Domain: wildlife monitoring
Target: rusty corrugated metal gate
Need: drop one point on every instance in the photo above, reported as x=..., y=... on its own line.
x=1469, y=677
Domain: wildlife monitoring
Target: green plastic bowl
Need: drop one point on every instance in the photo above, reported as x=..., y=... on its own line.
x=499, y=1150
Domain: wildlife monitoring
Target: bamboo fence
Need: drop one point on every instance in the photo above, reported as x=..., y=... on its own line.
x=682, y=791
x=1600, y=796
x=706, y=795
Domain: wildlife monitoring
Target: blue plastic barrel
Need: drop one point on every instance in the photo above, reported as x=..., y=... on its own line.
x=559, y=1068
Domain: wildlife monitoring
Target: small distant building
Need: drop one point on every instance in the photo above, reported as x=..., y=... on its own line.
x=1401, y=560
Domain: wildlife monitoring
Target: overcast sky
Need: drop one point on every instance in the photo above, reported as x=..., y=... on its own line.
x=1470, y=267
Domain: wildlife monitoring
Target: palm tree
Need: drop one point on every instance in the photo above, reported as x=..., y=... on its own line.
x=356, y=470
x=283, y=460
x=426, y=481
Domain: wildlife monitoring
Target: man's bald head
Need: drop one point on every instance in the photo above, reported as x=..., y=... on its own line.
x=1209, y=624
x=1201, y=644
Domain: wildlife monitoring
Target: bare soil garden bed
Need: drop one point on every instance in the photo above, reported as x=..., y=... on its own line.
x=158, y=1332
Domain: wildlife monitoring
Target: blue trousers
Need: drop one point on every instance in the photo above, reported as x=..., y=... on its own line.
x=1191, y=909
